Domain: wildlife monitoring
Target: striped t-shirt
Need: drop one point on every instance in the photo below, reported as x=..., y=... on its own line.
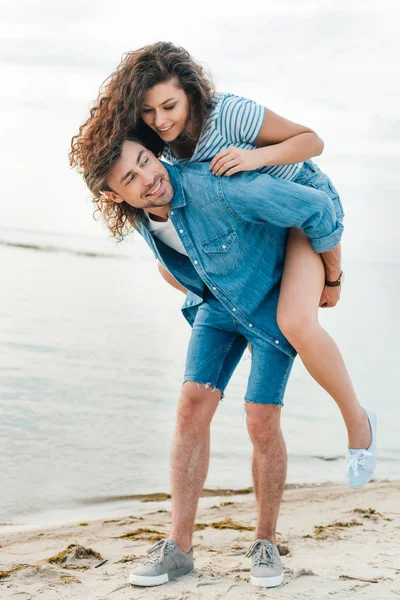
x=232, y=121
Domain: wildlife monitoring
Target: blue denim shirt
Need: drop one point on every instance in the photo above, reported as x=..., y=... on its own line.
x=234, y=230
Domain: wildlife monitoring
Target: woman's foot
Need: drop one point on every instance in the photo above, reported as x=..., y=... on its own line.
x=361, y=461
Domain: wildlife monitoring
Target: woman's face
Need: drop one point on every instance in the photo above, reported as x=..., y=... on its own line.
x=166, y=110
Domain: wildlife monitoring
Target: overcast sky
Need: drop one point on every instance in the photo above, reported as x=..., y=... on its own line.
x=330, y=65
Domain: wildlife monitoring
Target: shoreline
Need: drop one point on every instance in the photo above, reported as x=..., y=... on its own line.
x=333, y=540
x=112, y=506
x=206, y=493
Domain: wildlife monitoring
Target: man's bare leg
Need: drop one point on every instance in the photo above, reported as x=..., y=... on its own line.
x=190, y=457
x=268, y=465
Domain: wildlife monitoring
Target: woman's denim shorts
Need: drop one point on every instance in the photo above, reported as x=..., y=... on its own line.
x=216, y=346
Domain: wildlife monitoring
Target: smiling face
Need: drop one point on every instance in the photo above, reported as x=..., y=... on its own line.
x=166, y=110
x=141, y=180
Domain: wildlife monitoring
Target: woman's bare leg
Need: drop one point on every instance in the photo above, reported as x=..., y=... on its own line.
x=302, y=285
x=171, y=279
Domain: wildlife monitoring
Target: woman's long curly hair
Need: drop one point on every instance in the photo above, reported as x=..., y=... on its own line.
x=117, y=110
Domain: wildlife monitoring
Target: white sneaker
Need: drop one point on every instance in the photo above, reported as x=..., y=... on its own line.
x=361, y=462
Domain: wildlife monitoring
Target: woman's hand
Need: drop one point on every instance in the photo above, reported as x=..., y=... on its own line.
x=233, y=160
x=330, y=296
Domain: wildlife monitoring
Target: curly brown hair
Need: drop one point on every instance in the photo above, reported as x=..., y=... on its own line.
x=117, y=110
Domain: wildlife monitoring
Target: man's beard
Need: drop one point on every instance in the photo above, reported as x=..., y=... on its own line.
x=158, y=203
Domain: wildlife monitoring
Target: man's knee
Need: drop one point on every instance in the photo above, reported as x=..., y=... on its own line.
x=263, y=421
x=197, y=404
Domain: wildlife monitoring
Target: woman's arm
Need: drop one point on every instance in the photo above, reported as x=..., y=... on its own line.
x=170, y=279
x=283, y=142
x=280, y=142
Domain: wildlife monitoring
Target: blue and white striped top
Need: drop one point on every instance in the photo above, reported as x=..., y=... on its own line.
x=232, y=121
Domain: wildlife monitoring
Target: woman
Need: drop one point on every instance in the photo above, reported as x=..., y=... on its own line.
x=168, y=97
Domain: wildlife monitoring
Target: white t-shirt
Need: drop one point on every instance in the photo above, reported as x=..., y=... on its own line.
x=166, y=232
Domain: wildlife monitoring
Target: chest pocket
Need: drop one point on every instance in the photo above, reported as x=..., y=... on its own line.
x=223, y=251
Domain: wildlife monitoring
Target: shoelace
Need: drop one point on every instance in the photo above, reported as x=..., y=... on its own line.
x=263, y=553
x=158, y=551
x=358, y=460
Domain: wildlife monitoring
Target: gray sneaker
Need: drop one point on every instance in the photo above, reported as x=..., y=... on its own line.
x=166, y=561
x=266, y=566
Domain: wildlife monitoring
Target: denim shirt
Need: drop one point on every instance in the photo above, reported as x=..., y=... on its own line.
x=234, y=230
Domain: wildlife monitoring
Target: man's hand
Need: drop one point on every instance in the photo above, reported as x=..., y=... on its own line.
x=331, y=259
x=233, y=160
x=330, y=296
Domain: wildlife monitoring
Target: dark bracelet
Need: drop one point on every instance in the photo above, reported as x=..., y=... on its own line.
x=337, y=282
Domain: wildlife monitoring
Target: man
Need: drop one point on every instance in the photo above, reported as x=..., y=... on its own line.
x=222, y=239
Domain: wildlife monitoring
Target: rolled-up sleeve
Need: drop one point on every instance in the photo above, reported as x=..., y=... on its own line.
x=328, y=242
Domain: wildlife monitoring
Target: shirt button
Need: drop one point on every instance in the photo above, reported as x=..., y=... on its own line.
x=224, y=247
x=181, y=231
x=214, y=288
x=276, y=341
x=250, y=324
x=234, y=309
x=196, y=262
x=172, y=212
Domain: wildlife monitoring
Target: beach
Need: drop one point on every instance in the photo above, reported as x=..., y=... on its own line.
x=93, y=342
x=334, y=542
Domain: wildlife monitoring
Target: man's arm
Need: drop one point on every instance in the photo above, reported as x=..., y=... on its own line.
x=259, y=198
x=332, y=262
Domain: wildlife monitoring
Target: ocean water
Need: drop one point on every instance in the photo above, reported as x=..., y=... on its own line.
x=92, y=353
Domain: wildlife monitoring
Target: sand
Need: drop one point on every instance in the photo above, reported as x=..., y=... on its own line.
x=336, y=543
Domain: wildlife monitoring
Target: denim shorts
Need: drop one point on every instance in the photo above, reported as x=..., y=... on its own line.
x=216, y=347
x=312, y=176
